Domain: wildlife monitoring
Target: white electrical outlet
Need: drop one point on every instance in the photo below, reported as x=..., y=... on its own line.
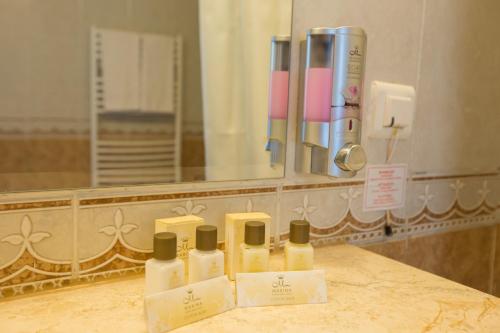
x=391, y=106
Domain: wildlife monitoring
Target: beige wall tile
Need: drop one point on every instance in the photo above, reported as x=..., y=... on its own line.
x=35, y=246
x=14, y=69
x=457, y=121
x=496, y=265
x=462, y=256
x=396, y=250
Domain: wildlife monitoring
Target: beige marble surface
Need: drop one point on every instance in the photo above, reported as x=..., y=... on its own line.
x=367, y=293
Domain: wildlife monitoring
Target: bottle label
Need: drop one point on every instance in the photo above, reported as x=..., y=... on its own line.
x=183, y=247
x=213, y=268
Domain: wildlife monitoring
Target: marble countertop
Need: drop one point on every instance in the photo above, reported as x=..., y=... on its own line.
x=367, y=293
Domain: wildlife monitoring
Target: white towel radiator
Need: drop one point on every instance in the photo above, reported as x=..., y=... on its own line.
x=120, y=156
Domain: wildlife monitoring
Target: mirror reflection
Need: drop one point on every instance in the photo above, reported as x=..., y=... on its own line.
x=111, y=93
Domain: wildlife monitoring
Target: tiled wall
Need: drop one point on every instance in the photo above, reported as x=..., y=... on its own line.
x=458, y=87
x=393, y=29
x=53, y=160
x=468, y=256
x=85, y=235
x=442, y=48
x=39, y=161
x=49, y=239
x=193, y=157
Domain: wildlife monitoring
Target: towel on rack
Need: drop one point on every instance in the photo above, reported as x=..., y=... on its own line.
x=120, y=70
x=157, y=73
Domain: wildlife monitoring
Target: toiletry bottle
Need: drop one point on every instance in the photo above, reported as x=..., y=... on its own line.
x=235, y=236
x=164, y=271
x=205, y=261
x=254, y=255
x=298, y=251
x=185, y=229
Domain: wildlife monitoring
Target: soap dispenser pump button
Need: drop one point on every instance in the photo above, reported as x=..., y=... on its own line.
x=351, y=157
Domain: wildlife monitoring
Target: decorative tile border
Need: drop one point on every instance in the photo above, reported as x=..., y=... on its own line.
x=349, y=228
x=119, y=254
x=361, y=182
x=215, y=193
x=116, y=227
x=34, y=205
x=457, y=176
x=321, y=185
x=173, y=196
x=28, y=268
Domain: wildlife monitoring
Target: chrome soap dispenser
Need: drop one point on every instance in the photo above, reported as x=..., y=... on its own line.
x=330, y=145
x=278, y=98
x=347, y=156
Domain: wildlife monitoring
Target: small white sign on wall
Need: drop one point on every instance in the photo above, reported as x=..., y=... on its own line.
x=385, y=186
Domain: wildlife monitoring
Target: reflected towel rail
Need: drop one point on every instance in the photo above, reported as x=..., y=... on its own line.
x=133, y=146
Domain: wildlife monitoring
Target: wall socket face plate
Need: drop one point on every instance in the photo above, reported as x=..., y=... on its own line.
x=391, y=106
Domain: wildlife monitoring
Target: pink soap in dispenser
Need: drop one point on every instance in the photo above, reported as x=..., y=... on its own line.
x=278, y=95
x=278, y=99
x=318, y=86
x=318, y=93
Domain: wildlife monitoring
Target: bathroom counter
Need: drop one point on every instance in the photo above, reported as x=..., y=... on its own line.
x=367, y=293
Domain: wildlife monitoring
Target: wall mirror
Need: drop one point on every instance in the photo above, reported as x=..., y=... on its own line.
x=121, y=92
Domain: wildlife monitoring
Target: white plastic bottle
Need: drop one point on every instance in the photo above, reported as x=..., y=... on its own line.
x=164, y=271
x=254, y=255
x=205, y=261
x=299, y=253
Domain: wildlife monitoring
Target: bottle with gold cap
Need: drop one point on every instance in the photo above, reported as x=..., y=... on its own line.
x=205, y=261
x=298, y=251
x=164, y=271
x=254, y=255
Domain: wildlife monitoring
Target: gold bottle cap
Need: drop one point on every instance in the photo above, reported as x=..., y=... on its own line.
x=255, y=232
x=165, y=246
x=206, y=237
x=299, y=231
